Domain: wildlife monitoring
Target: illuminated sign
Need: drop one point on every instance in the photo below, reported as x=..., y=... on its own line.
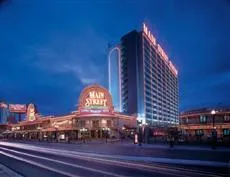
x=150, y=36
x=3, y=105
x=96, y=100
x=31, y=112
x=159, y=49
x=17, y=108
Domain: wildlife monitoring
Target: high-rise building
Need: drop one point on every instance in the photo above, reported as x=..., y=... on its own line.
x=115, y=77
x=4, y=112
x=149, y=80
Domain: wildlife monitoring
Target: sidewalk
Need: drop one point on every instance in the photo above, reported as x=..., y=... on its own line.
x=179, y=147
x=129, y=143
x=6, y=172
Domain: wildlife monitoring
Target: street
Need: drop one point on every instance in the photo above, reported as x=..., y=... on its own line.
x=53, y=159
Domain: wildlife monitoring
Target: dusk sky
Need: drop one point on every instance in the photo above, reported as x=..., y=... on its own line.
x=51, y=49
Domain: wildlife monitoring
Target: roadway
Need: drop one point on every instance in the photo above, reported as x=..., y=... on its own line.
x=73, y=160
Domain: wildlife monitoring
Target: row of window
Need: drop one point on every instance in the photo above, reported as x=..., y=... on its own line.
x=161, y=72
x=155, y=58
x=158, y=68
x=164, y=118
x=155, y=88
x=160, y=106
x=204, y=119
x=165, y=98
x=156, y=82
x=200, y=132
x=95, y=123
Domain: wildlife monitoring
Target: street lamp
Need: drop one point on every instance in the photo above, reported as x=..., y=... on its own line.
x=39, y=134
x=106, y=129
x=83, y=132
x=214, y=133
x=56, y=132
x=213, y=112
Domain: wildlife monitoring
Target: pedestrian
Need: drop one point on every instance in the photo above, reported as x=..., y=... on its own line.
x=171, y=141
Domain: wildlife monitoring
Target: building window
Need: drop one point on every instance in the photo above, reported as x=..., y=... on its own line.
x=226, y=132
x=109, y=123
x=82, y=123
x=203, y=119
x=95, y=123
x=227, y=118
x=199, y=132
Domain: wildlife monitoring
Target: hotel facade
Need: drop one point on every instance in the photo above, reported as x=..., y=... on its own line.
x=199, y=124
x=95, y=117
x=146, y=80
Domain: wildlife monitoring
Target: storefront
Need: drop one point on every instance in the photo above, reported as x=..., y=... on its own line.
x=94, y=118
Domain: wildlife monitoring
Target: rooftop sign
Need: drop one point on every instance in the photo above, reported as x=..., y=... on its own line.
x=31, y=110
x=159, y=49
x=96, y=100
x=17, y=108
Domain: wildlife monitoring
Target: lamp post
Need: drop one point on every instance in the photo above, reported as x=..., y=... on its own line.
x=213, y=112
x=39, y=134
x=83, y=132
x=106, y=129
x=214, y=133
x=140, y=134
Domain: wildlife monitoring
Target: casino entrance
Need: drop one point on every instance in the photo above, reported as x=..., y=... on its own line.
x=95, y=118
x=96, y=134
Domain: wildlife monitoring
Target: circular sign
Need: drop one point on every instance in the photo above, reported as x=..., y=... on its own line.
x=95, y=99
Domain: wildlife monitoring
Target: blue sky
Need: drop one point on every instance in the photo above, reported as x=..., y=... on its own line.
x=49, y=50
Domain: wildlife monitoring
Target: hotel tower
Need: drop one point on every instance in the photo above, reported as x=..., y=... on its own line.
x=142, y=80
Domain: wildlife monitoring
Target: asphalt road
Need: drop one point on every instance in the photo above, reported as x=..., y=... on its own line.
x=48, y=160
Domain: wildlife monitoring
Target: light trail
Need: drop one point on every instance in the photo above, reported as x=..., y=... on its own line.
x=123, y=157
x=38, y=164
x=90, y=157
x=64, y=163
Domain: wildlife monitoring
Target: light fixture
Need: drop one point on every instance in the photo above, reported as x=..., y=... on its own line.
x=213, y=112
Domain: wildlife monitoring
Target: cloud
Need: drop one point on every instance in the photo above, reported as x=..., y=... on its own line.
x=79, y=55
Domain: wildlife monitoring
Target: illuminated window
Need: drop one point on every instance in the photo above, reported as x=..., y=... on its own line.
x=203, y=119
x=226, y=118
x=199, y=132
x=95, y=123
x=82, y=123
x=226, y=132
x=109, y=123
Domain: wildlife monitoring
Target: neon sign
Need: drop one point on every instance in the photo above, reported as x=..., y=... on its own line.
x=150, y=36
x=31, y=112
x=96, y=100
x=159, y=49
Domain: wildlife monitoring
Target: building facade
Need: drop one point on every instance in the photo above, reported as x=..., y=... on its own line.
x=94, y=118
x=199, y=124
x=4, y=113
x=149, y=80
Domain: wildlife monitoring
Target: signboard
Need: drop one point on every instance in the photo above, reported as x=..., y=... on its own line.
x=96, y=100
x=31, y=112
x=17, y=108
x=159, y=49
x=3, y=105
